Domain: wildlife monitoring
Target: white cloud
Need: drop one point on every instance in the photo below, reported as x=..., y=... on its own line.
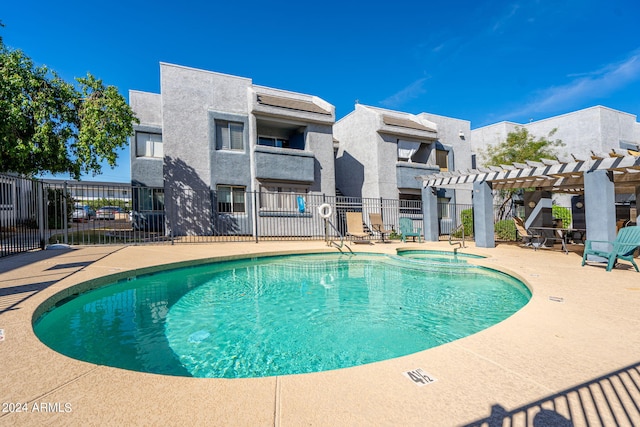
x=412, y=91
x=438, y=48
x=585, y=86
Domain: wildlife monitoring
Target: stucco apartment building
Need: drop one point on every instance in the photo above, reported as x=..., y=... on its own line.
x=217, y=145
x=381, y=152
x=211, y=139
x=596, y=129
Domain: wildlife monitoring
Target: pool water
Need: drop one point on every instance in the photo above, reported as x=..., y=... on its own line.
x=279, y=315
x=438, y=256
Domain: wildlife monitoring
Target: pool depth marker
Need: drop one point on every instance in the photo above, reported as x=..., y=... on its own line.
x=419, y=377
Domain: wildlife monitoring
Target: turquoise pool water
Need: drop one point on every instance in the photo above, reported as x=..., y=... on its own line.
x=279, y=315
x=439, y=256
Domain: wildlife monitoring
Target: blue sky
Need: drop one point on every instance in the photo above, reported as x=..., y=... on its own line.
x=480, y=61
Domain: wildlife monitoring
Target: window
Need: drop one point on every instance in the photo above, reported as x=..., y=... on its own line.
x=149, y=145
x=273, y=142
x=442, y=160
x=410, y=204
x=229, y=135
x=231, y=199
x=406, y=150
x=284, y=199
x=148, y=199
x=443, y=207
x=158, y=199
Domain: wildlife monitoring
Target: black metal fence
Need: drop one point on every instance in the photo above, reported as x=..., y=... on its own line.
x=35, y=213
x=21, y=210
x=222, y=215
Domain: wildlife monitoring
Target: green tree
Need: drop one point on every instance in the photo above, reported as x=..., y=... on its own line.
x=519, y=147
x=49, y=125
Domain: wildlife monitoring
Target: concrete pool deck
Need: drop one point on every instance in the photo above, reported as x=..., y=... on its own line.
x=571, y=355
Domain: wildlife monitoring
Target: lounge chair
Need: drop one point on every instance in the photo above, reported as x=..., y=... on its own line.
x=407, y=230
x=376, y=225
x=529, y=239
x=624, y=247
x=354, y=227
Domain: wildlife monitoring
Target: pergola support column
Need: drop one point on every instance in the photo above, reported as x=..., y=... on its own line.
x=483, y=227
x=637, y=201
x=430, y=214
x=599, y=204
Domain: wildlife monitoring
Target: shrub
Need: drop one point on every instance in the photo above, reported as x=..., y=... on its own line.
x=506, y=230
x=466, y=217
x=98, y=203
x=562, y=213
x=56, y=198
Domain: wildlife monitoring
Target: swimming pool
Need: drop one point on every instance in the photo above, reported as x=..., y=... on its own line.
x=279, y=315
x=438, y=256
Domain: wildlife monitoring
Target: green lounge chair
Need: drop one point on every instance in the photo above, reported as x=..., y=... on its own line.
x=624, y=247
x=407, y=230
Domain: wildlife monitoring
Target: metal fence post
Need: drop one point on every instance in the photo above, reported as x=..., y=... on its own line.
x=41, y=215
x=65, y=224
x=255, y=214
x=174, y=207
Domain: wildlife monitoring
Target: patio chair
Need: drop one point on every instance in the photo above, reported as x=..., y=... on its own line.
x=562, y=236
x=407, y=230
x=528, y=238
x=355, y=228
x=376, y=225
x=624, y=247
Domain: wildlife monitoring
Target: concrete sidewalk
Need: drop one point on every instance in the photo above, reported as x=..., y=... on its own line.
x=572, y=353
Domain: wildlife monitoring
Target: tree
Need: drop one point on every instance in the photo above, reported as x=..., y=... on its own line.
x=49, y=125
x=519, y=147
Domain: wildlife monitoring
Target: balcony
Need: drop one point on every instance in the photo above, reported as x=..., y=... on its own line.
x=406, y=173
x=284, y=164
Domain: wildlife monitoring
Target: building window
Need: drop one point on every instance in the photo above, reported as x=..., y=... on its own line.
x=229, y=135
x=406, y=150
x=410, y=204
x=442, y=160
x=149, y=145
x=282, y=199
x=231, y=199
x=148, y=199
x=273, y=142
x=443, y=208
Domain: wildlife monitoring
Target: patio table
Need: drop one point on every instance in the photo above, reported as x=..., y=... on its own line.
x=556, y=234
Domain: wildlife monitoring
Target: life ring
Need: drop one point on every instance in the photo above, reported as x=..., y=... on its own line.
x=324, y=210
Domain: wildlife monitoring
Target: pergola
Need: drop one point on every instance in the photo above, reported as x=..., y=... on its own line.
x=599, y=176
